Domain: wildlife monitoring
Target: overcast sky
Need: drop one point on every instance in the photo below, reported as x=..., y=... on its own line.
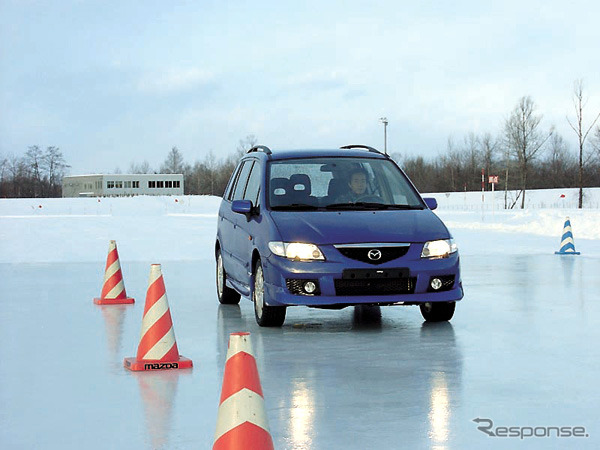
x=112, y=83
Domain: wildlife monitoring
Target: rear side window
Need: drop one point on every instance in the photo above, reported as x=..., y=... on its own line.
x=240, y=186
x=231, y=184
x=253, y=186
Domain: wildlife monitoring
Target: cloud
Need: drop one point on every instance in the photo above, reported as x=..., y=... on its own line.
x=317, y=81
x=174, y=80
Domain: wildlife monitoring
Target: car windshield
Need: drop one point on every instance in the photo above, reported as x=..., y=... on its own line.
x=340, y=183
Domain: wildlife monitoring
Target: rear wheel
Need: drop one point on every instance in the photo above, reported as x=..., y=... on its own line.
x=266, y=316
x=226, y=295
x=438, y=311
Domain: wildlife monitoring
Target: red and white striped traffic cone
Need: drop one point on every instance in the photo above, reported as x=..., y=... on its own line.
x=113, y=288
x=157, y=348
x=241, y=421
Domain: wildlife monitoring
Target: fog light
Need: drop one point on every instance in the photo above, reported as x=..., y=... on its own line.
x=310, y=287
x=436, y=283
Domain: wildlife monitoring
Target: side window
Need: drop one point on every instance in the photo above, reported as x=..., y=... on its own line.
x=231, y=184
x=253, y=186
x=240, y=185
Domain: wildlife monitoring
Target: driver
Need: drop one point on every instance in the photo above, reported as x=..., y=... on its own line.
x=358, y=186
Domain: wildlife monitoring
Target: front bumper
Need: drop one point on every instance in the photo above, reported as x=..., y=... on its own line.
x=278, y=269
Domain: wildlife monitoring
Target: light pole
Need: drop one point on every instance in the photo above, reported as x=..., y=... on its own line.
x=385, y=122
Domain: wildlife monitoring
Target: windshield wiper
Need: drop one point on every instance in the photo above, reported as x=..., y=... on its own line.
x=369, y=206
x=298, y=206
x=357, y=205
x=404, y=207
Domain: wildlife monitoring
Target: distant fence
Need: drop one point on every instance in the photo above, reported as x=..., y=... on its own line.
x=534, y=199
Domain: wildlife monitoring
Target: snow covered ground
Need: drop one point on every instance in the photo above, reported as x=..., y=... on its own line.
x=521, y=350
x=183, y=228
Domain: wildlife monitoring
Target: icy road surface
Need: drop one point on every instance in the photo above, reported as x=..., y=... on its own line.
x=521, y=351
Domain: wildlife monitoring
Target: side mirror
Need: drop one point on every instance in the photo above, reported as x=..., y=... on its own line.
x=431, y=203
x=242, y=207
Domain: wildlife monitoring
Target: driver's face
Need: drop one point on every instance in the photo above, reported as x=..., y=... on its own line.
x=358, y=183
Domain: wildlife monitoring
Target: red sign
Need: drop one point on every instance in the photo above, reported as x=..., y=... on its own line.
x=493, y=179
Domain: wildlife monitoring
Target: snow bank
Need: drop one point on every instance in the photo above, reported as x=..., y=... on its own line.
x=534, y=199
x=151, y=229
x=110, y=206
x=157, y=229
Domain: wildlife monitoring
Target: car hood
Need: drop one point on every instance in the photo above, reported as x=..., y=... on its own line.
x=340, y=227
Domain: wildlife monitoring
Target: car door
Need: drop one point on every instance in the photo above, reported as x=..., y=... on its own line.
x=247, y=227
x=228, y=219
x=237, y=267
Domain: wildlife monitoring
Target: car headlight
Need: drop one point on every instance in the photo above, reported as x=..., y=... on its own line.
x=296, y=250
x=439, y=249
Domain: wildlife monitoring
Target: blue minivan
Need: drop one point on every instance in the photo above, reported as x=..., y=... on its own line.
x=330, y=229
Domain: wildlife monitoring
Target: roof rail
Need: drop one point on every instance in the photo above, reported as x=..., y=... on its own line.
x=262, y=148
x=366, y=147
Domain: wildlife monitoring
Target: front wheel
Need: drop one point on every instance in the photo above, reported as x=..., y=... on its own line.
x=226, y=295
x=438, y=311
x=266, y=316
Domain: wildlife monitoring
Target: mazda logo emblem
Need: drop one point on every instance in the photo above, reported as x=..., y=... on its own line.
x=374, y=254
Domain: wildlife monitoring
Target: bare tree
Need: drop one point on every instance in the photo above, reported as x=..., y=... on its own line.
x=524, y=139
x=54, y=164
x=143, y=167
x=211, y=167
x=174, y=162
x=596, y=144
x=452, y=163
x=580, y=130
x=19, y=174
x=3, y=172
x=489, y=147
x=559, y=163
x=34, y=161
x=245, y=144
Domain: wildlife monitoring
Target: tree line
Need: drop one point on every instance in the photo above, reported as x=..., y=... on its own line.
x=38, y=173
x=523, y=154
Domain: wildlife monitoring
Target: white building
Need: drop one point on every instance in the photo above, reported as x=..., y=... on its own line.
x=122, y=185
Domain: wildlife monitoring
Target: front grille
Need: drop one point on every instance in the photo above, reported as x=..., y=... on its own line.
x=377, y=286
x=296, y=286
x=361, y=253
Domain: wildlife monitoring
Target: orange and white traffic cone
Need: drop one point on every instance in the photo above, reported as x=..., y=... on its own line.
x=157, y=348
x=242, y=420
x=113, y=288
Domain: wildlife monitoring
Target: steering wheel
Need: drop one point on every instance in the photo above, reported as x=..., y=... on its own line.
x=370, y=198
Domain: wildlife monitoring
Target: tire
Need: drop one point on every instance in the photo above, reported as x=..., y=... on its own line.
x=437, y=312
x=266, y=316
x=226, y=295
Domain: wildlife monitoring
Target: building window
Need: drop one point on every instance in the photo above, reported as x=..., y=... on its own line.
x=119, y=184
x=127, y=184
x=151, y=184
x=176, y=184
x=168, y=184
x=110, y=185
x=98, y=184
x=160, y=184
x=136, y=184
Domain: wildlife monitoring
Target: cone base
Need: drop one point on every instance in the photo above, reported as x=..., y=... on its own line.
x=113, y=301
x=567, y=253
x=137, y=365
